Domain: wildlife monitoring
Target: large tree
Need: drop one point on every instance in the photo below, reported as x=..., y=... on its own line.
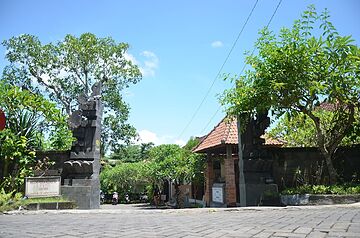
x=300, y=131
x=67, y=69
x=173, y=163
x=132, y=153
x=296, y=71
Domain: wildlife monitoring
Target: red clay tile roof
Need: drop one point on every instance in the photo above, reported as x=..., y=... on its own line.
x=225, y=133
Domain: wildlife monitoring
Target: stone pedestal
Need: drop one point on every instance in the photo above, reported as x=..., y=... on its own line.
x=84, y=192
x=254, y=192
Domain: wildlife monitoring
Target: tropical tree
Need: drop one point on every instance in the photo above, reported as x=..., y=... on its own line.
x=67, y=69
x=198, y=164
x=27, y=116
x=300, y=131
x=132, y=153
x=171, y=162
x=296, y=71
x=124, y=178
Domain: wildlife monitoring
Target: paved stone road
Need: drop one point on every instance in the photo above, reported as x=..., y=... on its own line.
x=130, y=221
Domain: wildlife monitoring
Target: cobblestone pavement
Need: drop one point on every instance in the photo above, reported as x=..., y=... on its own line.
x=134, y=221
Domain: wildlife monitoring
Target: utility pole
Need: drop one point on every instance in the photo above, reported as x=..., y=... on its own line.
x=242, y=185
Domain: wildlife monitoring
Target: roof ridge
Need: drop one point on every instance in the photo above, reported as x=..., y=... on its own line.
x=209, y=133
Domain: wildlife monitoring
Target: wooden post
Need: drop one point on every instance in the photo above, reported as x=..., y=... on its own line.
x=242, y=185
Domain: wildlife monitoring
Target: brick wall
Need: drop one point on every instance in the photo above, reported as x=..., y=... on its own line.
x=209, y=180
x=230, y=182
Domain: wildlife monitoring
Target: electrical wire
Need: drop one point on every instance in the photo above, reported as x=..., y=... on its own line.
x=221, y=68
x=218, y=109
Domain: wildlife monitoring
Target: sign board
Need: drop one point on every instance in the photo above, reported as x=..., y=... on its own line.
x=2, y=120
x=218, y=193
x=42, y=186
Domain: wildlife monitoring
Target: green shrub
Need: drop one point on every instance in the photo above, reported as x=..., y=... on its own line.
x=8, y=201
x=323, y=189
x=319, y=189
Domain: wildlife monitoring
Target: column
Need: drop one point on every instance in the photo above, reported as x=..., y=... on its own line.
x=209, y=180
x=230, y=178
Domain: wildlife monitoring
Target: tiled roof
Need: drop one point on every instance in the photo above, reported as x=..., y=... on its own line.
x=226, y=133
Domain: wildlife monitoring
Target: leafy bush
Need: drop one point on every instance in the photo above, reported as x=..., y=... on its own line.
x=8, y=201
x=322, y=189
x=319, y=189
x=123, y=178
x=17, y=159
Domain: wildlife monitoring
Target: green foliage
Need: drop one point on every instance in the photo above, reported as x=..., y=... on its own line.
x=323, y=189
x=176, y=164
x=124, y=177
x=28, y=116
x=191, y=144
x=17, y=160
x=9, y=201
x=300, y=131
x=44, y=200
x=132, y=153
x=171, y=162
x=31, y=115
x=297, y=71
x=68, y=68
x=61, y=138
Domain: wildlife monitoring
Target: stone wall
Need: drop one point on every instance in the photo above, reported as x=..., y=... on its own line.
x=291, y=165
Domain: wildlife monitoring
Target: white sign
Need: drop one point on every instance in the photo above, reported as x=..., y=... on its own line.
x=42, y=186
x=217, y=194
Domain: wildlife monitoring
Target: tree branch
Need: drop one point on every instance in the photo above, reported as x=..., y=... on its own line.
x=52, y=87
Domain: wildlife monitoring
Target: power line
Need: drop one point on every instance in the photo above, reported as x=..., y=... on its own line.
x=242, y=70
x=221, y=68
x=213, y=116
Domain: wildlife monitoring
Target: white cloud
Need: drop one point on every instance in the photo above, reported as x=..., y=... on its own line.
x=149, y=64
x=217, y=44
x=146, y=136
x=180, y=142
x=131, y=58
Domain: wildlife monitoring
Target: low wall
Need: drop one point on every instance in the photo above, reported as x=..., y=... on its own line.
x=59, y=157
x=292, y=165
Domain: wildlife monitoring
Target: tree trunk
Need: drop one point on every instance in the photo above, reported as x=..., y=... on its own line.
x=328, y=152
x=179, y=203
x=333, y=175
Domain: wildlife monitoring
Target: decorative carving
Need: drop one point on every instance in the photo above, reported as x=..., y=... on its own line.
x=86, y=127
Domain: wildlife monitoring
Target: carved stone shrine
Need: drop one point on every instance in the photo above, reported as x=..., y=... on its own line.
x=81, y=171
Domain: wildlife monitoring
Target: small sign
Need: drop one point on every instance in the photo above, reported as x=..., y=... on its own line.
x=2, y=120
x=42, y=186
x=217, y=194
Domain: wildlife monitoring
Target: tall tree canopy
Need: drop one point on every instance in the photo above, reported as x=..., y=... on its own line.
x=298, y=70
x=67, y=69
x=300, y=131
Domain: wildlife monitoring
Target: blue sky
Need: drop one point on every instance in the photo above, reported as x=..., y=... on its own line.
x=179, y=45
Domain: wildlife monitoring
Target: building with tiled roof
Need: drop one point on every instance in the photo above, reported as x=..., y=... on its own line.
x=226, y=133
x=221, y=147
x=223, y=133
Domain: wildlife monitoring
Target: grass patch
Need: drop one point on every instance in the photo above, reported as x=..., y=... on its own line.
x=11, y=201
x=45, y=200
